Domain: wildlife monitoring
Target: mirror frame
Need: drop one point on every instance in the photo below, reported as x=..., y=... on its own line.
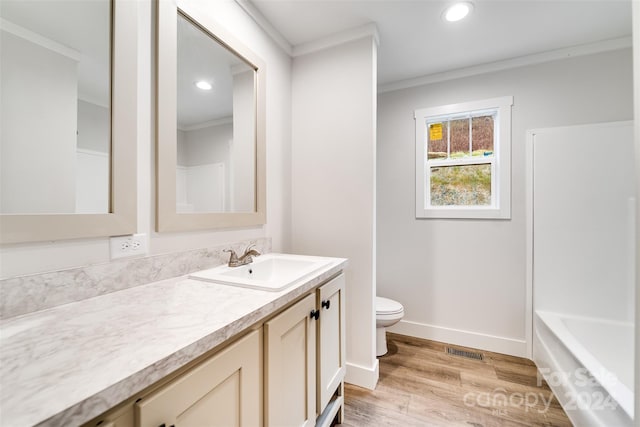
x=167, y=218
x=122, y=218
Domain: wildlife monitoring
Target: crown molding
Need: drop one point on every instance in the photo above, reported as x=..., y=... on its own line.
x=367, y=30
x=204, y=125
x=40, y=40
x=538, y=58
x=264, y=23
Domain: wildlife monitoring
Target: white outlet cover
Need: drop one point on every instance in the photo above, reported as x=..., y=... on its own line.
x=129, y=246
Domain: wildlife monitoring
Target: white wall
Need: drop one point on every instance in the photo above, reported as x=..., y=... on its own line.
x=206, y=145
x=46, y=256
x=39, y=123
x=93, y=127
x=333, y=182
x=463, y=281
x=182, y=149
x=243, y=150
x=636, y=103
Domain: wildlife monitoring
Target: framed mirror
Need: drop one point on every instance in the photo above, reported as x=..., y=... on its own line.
x=68, y=119
x=210, y=124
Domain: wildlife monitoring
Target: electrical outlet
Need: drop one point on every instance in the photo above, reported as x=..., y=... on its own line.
x=129, y=246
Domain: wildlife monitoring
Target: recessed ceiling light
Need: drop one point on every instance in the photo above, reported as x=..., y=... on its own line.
x=457, y=11
x=203, y=85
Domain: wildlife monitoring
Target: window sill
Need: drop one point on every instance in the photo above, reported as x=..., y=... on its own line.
x=463, y=213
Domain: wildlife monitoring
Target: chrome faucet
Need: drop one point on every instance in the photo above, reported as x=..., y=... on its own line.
x=246, y=258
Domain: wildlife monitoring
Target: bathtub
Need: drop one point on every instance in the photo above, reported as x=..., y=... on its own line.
x=588, y=363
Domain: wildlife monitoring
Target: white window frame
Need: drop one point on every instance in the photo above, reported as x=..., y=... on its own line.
x=500, y=207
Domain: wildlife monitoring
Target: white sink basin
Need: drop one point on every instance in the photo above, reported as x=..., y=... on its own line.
x=270, y=272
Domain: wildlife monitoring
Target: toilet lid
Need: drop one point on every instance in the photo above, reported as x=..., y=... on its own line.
x=387, y=306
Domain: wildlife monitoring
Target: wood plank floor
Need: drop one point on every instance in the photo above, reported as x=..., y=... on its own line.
x=421, y=385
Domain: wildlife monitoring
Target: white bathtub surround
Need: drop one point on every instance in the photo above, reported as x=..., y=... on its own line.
x=588, y=363
x=582, y=221
x=581, y=257
x=71, y=363
x=26, y=294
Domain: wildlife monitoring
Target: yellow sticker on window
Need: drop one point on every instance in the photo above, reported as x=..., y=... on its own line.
x=435, y=131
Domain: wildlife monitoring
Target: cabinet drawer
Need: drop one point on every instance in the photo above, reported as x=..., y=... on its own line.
x=224, y=391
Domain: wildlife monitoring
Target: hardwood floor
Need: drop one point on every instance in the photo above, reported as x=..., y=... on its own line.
x=421, y=385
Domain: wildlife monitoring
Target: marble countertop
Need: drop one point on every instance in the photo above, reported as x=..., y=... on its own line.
x=68, y=364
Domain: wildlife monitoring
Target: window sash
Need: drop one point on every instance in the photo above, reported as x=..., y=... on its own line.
x=462, y=115
x=500, y=159
x=469, y=115
x=461, y=162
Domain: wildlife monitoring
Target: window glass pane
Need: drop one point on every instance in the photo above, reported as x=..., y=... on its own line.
x=466, y=185
x=482, y=137
x=459, y=138
x=437, y=135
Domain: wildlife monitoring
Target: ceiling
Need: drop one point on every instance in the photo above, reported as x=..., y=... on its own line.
x=415, y=41
x=201, y=58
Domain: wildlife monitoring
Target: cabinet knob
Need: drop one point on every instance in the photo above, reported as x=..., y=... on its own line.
x=315, y=314
x=326, y=304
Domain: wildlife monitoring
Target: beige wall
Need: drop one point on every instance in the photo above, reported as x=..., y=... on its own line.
x=463, y=281
x=333, y=181
x=636, y=98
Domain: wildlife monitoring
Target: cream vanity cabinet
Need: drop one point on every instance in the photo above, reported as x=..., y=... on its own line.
x=290, y=366
x=331, y=352
x=124, y=417
x=304, y=360
x=287, y=373
x=225, y=390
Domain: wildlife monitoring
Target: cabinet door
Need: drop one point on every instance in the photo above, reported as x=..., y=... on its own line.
x=331, y=342
x=290, y=363
x=225, y=391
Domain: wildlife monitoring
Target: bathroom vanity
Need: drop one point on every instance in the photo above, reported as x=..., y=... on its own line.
x=177, y=352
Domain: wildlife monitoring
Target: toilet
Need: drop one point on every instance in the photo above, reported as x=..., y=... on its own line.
x=388, y=313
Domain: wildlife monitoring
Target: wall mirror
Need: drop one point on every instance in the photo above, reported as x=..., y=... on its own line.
x=210, y=124
x=67, y=118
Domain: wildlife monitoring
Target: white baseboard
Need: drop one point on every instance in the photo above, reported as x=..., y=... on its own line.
x=362, y=376
x=477, y=340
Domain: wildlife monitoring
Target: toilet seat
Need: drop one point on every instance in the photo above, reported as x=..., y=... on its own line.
x=386, y=307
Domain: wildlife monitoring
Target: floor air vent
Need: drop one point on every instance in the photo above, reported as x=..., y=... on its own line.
x=463, y=353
